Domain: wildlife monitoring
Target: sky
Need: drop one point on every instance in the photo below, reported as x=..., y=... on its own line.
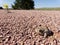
x=38, y=3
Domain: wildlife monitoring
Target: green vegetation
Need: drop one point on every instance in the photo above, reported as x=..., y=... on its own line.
x=23, y=4
x=6, y=7
x=47, y=9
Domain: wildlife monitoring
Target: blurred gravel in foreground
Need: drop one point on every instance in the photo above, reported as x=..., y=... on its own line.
x=18, y=27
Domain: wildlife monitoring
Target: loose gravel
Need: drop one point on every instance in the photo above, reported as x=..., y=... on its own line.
x=19, y=27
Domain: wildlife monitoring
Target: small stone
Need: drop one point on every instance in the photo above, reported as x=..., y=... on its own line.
x=6, y=40
x=1, y=43
x=1, y=36
x=34, y=26
x=58, y=43
x=42, y=44
x=55, y=42
x=0, y=27
x=21, y=43
x=59, y=40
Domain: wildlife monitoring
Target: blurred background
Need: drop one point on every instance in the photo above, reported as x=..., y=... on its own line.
x=37, y=3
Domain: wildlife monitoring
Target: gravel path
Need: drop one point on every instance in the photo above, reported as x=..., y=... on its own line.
x=18, y=27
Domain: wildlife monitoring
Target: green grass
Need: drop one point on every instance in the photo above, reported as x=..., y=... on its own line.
x=47, y=9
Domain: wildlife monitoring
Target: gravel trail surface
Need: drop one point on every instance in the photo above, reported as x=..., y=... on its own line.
x=18, y=27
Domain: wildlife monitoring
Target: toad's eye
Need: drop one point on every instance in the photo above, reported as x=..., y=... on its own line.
x=41, y=31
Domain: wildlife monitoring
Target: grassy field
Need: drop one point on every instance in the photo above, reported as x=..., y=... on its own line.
x=47, y=9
